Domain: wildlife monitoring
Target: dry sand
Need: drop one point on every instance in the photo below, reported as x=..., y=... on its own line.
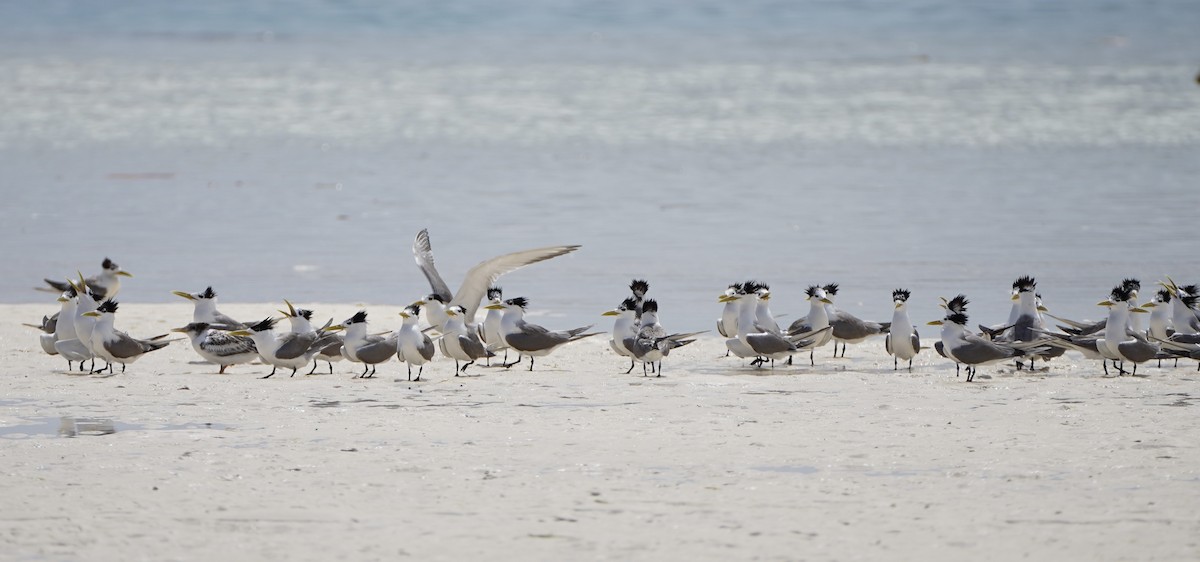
x=576, y=460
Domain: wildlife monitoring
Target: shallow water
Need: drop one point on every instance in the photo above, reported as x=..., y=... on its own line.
x=941, y=147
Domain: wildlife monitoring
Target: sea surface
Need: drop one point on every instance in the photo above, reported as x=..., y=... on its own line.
x=292, y=150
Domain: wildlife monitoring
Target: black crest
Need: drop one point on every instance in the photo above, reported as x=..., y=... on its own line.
x=639, y=287
x=359, y=317
x=1024, y=284
x=629, y=304
x=1190, y=301
x=435, y=297
x=94, y=295
x=109, y=306
x=196, y=327
x=1164, y=295
x=518, y=301
x=811, y=291
x=208, y=294
x=109, y=264
x=958, y=304
x=831, y=289
x=495, y=293
x=959, y=318
x=737, y=288
x=413, y=310
x=71, y=292
x=1131, y=285
x=751, y=286
x=1120, y=293
x=306, y=313
x=901, y=295
x=1190, y=289
x=267, y=323
x=650, y=305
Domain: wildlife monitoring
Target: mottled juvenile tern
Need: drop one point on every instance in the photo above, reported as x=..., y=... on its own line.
x=652, y=342
x=219, y=347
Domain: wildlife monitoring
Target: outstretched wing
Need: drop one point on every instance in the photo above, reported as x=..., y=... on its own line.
x=423, y=254
x=484, y=275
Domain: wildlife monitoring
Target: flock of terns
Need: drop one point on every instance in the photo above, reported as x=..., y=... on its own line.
x=83, y=330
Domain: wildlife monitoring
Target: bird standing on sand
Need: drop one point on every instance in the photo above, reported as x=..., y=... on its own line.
x=531, y=339
x=219, y=347
x=115, y=346
x=360, y=347
x=902, y=341
x=460, y=341
x=652, y=343
x=290, y=350
x=413, y=346
x=848, y=328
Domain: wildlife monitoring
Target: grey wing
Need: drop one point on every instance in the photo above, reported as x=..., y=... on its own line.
x=426, y=348
x=295, y=345
x=916, y=340
x=531, y=337
x=473, y=346
x=768, y=343
x=799, y=326
x=224, y=345
x=483, y=275
x=124, y=347
x=423, y=254
x=229, y=322
x=979, y=350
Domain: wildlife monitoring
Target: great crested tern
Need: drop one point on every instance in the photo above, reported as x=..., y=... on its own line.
x=413, y=346
x=290, y=350
x=205, y=310
x=1027, y=323
x=815, y=321
x=219, y=347
x=639, y=288
x=1185, y=316
x=652, y=342
x=531, y=339
x=763, y=319
x=625, y=326
x=727, y=323
x=105, y=284
x=301, y=321
x=969, y=349
x=1119, y=342
x=848, y=328
x=767, y=344
x=732, y=298
x=489, y=330
x=902, y=341
x=85, y=325
x=477, y=279
x=460, y=340
x=115, y=346
x=66, y=338
x=957, y=304
x=360, y=347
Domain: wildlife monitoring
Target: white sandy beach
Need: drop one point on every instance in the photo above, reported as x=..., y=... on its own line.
x=847, y=460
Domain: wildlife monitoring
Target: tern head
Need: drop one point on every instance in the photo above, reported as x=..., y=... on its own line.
x=1132, y=286
x=359, y=317
x=112, y=267
x=831, y=289
x=456, y=310
x=411, y=311
x=435, y=298
x=108, y=306
x=265, y=325
x=900, y=296
x=1120, y=293
x=1162, y=296
x=650, y=306
x=192, y=329
x=1190, y=300
x=306, y=313
x=627, y=305
x=752, y=286
x=1024, y=284
x=495, y=294
x=639, y=287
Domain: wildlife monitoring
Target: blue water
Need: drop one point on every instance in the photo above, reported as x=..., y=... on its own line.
x=292, y=150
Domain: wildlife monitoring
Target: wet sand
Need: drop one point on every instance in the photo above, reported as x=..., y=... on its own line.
x=713, y=460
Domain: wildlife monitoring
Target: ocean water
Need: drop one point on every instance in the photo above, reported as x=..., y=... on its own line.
x=292, y=150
